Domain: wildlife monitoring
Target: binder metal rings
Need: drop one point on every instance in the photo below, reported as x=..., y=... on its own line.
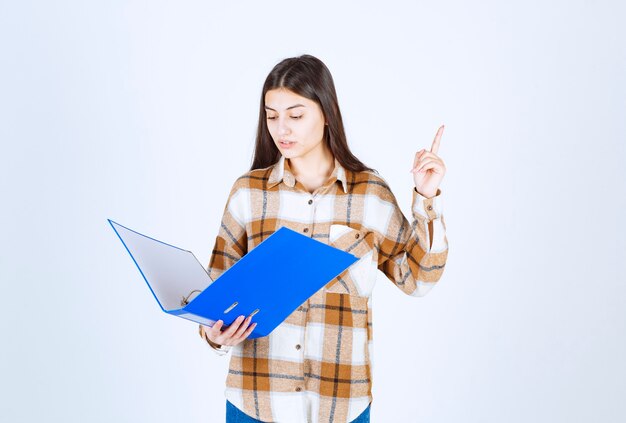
x=185, y=300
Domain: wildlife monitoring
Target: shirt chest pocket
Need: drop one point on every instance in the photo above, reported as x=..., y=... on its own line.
x=359, y=242
x=351, y=240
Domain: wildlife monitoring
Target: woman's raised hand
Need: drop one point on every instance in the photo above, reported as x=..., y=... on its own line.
x=428, y=168
x=233, y=334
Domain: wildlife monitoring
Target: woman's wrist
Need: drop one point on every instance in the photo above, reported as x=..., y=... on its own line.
x=213, y=344
x=427, y=195
x=204, y=335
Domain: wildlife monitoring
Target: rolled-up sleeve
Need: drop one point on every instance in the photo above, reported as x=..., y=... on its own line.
x=231, y=244
x=413, y=255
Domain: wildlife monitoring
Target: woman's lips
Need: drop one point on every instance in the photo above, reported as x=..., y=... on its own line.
x=287, y=144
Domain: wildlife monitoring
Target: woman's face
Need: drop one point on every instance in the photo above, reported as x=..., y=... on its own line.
x=296, y=123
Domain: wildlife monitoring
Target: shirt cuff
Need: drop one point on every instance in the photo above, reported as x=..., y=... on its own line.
x=430, y=208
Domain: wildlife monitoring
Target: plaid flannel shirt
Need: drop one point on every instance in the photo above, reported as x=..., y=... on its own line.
x=316, y=366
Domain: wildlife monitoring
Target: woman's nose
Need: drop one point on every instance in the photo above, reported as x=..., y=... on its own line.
x=283, y=128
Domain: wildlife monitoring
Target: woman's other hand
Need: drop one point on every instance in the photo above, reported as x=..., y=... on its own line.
x=239, y=330
x=428, y=168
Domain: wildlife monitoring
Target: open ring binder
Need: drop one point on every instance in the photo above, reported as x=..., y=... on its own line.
x=263, y=283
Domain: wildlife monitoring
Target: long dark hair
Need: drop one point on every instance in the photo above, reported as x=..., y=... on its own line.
x=308, y=77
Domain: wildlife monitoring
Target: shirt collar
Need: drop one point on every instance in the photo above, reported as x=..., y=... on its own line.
x=282, y=172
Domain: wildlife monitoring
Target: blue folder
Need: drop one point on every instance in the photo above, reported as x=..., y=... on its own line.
x=269, y=282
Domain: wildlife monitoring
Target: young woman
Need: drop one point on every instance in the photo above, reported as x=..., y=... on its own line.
x=316, y=366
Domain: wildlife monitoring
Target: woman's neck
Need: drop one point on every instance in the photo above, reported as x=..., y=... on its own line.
x=315, y=165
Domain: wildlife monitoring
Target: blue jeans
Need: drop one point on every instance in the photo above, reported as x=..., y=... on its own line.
x=234, y=415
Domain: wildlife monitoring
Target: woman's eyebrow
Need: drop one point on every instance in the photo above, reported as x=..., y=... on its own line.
x=290, y=107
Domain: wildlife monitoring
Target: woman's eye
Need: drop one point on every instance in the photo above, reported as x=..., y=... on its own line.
x=274, y=117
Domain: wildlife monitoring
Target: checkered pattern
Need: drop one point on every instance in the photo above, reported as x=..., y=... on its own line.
x=316, y=365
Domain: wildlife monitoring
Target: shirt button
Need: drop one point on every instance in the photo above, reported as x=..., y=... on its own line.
x=357, y=236
x=298, y=346
x=429, y=207
x=298, y=389
x=310, y=201
x=305, y=230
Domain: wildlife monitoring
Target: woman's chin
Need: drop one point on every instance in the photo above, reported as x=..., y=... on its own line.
x=288, y=153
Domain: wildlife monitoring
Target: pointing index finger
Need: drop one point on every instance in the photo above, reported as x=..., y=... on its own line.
x=435, y=147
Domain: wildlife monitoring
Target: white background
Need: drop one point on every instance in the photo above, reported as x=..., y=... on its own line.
x=145, y=111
